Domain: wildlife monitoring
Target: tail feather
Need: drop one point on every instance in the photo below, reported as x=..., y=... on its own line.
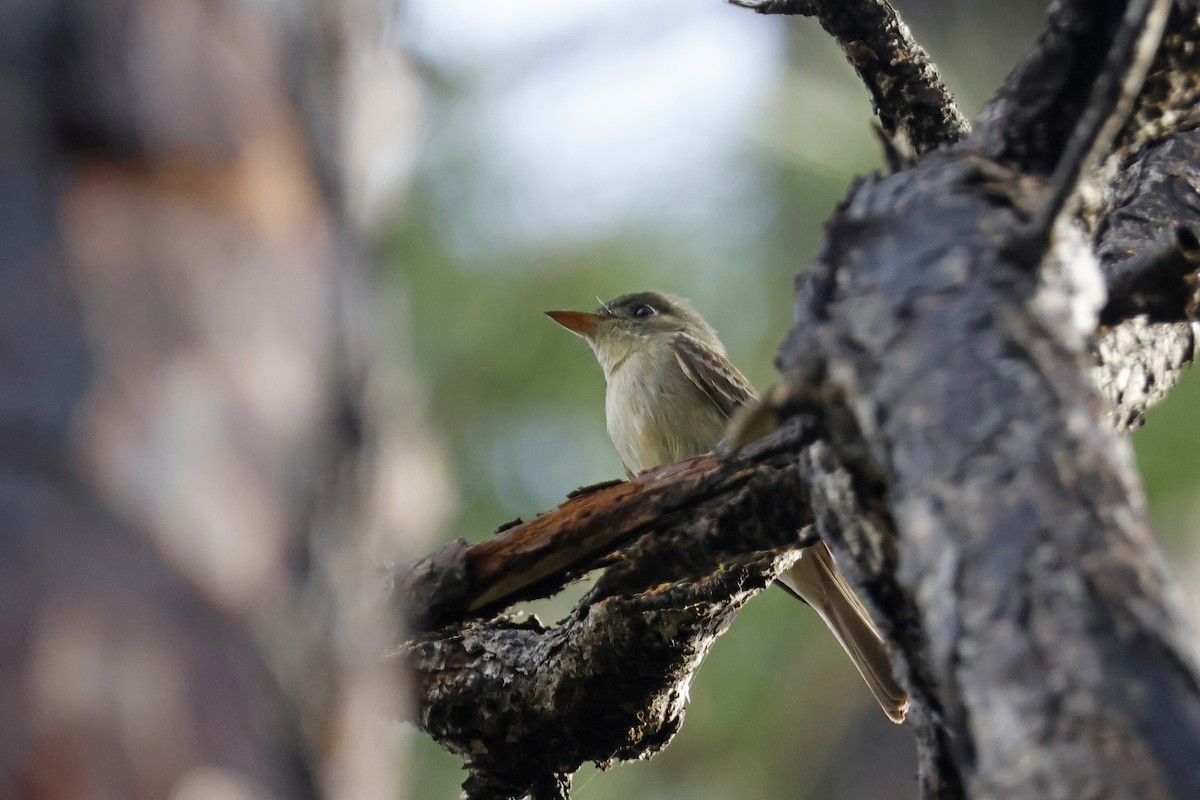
x=816, y=581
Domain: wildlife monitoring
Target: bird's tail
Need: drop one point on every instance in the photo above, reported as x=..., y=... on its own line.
x=815, y=580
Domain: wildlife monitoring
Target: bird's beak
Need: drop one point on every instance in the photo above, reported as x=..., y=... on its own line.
x=580, y=322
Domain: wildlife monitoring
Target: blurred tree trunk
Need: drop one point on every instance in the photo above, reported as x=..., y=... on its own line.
x=188, y=451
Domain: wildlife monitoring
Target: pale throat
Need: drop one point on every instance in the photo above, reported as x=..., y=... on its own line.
x=615, y=351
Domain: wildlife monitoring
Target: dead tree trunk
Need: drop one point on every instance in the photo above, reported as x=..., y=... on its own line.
x=984, y=320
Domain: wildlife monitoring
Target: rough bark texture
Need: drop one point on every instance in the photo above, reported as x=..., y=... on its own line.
x=610, y=681
x=180, y=432
x=956, y=346
x=1054, y=615
x=956, y=452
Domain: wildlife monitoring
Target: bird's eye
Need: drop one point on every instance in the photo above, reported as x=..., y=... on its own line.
x=644, y=311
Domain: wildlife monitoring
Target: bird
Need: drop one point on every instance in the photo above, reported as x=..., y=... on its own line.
x=670, y=392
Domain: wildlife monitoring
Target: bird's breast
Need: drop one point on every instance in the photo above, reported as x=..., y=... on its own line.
x=656, y=415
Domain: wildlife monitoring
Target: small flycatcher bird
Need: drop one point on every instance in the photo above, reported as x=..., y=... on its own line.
x=671, y=391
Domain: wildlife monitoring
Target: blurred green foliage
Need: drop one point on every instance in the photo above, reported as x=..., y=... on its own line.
x=776, y=711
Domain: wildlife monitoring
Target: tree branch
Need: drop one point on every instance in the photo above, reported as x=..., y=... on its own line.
x=611, y=680
x=953, y=401
x=951, y=374
x=916, y=110
x=535, y=559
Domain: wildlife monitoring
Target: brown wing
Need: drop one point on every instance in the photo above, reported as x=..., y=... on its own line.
x=713, y=374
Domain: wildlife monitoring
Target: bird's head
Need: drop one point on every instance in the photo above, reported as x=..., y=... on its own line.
x=634, y=322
